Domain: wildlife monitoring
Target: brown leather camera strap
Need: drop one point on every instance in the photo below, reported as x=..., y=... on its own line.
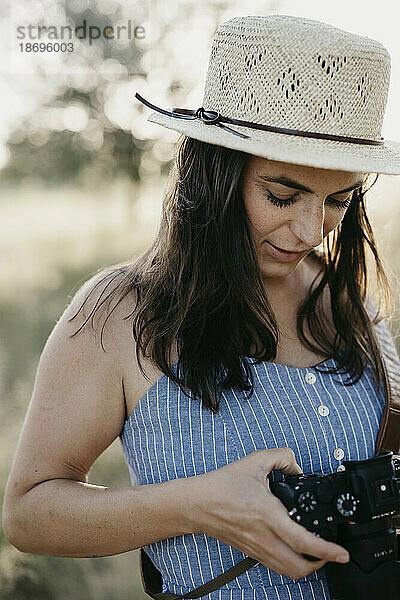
x=151, y=579
x=388, y=437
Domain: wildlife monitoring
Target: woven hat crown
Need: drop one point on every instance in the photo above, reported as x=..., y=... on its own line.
x=297, y=73
x=295, y=90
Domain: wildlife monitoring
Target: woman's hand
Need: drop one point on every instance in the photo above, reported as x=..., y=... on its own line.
x=235, y=505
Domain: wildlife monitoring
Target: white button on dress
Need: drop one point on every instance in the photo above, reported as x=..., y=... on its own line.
x=338, y=453
x=310, y=378
x=341, y=468
x=323, y=410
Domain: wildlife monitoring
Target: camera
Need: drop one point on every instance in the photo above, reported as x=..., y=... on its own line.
x=353, y=508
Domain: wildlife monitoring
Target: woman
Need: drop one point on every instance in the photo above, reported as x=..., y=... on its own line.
x=232, y=297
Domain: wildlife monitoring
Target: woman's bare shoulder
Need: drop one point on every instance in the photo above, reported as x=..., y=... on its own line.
x=77, y=404
x=104, y=305
x=108, y=288
x=113, y=327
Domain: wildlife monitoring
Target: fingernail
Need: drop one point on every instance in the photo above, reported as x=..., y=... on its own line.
x=342, y=558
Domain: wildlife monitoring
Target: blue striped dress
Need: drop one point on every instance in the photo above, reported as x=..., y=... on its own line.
x=169, y=435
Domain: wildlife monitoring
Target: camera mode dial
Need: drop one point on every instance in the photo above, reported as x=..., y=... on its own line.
x=346, y=504
x=307, y=501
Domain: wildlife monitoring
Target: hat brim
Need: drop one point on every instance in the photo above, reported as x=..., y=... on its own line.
x=313, y=152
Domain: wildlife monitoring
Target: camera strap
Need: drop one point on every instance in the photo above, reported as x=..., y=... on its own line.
x=152, y=581
x=388, y=438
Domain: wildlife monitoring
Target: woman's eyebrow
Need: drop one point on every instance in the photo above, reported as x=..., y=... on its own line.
x=298, y=186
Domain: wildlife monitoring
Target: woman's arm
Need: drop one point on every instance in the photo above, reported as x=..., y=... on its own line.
x=71, y=518
x=76, y=411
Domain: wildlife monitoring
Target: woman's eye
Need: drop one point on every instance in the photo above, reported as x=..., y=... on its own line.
x=280, y=201
x=341, y=204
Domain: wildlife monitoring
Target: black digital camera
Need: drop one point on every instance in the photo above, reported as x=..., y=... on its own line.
x=353, y=508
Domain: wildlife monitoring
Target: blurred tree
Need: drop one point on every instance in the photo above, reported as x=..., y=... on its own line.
x=85, y=129
x=54, y=143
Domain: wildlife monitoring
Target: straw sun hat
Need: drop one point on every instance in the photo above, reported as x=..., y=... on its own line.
x=295, y=90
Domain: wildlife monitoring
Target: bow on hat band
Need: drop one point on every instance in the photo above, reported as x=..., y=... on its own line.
x=212, y=117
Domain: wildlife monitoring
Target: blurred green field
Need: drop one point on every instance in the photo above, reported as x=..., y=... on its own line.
x=50, y=241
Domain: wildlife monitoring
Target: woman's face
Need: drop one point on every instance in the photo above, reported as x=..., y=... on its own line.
x=309, y=203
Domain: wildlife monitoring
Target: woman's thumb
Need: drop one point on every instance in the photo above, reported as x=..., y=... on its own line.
x=282, y=459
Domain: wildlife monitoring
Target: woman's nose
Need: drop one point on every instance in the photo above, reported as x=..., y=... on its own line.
x=308, y=223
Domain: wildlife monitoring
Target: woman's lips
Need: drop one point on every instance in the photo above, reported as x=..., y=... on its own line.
x=288, y=251
x=283, y=255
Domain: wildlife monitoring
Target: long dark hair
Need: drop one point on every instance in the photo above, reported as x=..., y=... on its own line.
x=199, y=284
